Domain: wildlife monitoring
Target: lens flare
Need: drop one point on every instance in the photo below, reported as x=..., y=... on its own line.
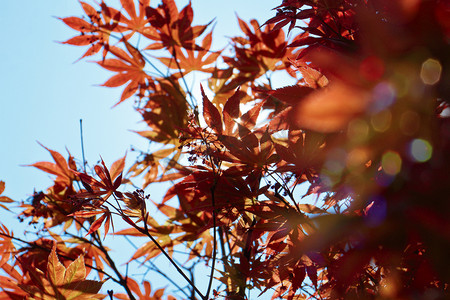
x=431, y=71
x=358, y=130
x=357, y=158
x=420, y=150
x=391, y=163
x=383, y=95
x=381, y=121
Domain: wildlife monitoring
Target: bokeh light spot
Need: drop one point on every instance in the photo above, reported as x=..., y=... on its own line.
x=358, y=157
x=381, y=121
x=358, y=130
x=391, y=163
x=420, y=150
x=383, y=95
x=431, y=71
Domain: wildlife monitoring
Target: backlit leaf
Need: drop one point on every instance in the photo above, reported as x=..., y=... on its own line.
x=211, y=114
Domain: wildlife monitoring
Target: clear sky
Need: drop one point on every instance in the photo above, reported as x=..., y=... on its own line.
x=44, y=93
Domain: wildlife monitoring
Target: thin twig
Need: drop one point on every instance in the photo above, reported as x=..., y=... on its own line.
x=174, y=55
x=145, y=232
x=222, y=247
x=82, y=145
x=113, y=266
x=154, y=268
x=213, y=265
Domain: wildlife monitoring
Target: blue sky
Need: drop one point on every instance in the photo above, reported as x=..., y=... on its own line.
x=44, y=93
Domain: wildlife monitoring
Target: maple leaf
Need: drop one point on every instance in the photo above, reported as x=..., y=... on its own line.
x=174, y=28
x=146, y=295
x=96, y=32
x=258, y=52
x=137, y=21
x=283, y=17
x=64, y=174
x=166, y=95
x=10, y=283
x=222, y=82
x=211, y=114
x=130, y=68
x=7, y=248
x=290, y=94
x=93, y=254
x=150, y=249
x=60, y=282
x=193, y=60
x=105, y=217
x=254, y=149
x=110, y=180
x=4, y=199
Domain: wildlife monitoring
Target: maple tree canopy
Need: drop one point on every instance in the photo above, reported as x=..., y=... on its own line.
x=333, y=187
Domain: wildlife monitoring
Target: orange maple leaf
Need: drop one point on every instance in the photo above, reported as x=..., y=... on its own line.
x=60, y=282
